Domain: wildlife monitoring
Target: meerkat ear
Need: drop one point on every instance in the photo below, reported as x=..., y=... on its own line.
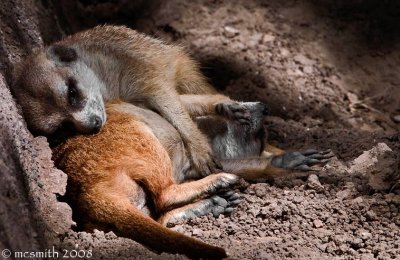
x=62, y=53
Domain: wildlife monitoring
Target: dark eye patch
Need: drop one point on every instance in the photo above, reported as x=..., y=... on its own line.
x=64, y=53
x=74, y=95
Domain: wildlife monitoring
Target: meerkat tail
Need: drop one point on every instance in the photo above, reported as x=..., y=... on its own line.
x=133, y=224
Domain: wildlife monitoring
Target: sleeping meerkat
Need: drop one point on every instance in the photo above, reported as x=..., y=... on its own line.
x=122, y=180
x=134, y=177
x=68, y=81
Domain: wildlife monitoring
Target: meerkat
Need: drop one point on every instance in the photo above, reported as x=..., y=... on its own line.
x=67, y=83
x=134, y=176
x=122, y=179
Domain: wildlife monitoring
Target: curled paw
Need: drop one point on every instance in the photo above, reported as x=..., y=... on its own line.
x=302, y=161
x=224, y=180
x=235, y=111
x=220, y=182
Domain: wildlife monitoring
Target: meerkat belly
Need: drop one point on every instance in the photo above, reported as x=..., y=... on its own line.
x=166, y=134
x=161, y=128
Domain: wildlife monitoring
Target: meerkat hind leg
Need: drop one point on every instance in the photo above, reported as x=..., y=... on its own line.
x=275, y=165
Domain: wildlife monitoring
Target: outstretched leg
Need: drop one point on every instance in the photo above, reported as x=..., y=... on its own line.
x=275, y=165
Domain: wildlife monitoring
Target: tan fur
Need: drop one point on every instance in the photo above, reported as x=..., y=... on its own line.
x=106, y=171
x=111, y=62
x=199, y=105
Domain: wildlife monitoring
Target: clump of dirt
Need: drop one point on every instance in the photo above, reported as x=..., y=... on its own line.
x=378, y=166
x=328, y=72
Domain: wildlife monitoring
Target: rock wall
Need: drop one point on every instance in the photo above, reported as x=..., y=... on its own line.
x=31, y=217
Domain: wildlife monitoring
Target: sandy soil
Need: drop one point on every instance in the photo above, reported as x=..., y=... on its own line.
x=329, y=73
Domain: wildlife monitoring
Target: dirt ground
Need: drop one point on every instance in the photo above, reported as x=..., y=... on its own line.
x=329, y=84
x=329, y=72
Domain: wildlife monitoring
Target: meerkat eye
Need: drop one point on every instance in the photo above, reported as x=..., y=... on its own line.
x=73, y=92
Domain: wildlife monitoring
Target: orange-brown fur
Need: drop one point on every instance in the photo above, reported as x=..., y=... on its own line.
x=105, y=182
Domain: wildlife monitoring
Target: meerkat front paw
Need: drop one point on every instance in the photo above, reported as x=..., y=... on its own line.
x=223, y=181
x=234, y=111
x=202, y=160
x=301, y=161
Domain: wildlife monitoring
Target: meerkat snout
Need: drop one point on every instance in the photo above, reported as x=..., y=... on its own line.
x=54, y=88
x=96, y=123
x=90, y=125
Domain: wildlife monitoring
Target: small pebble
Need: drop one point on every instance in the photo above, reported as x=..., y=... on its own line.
x=230, y=32
x=396, y=118
x=318, y=223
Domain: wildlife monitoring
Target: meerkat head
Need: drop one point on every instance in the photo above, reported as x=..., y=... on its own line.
x=54, y=88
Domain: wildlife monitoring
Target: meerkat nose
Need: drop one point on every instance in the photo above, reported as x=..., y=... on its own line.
x=95, y=123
